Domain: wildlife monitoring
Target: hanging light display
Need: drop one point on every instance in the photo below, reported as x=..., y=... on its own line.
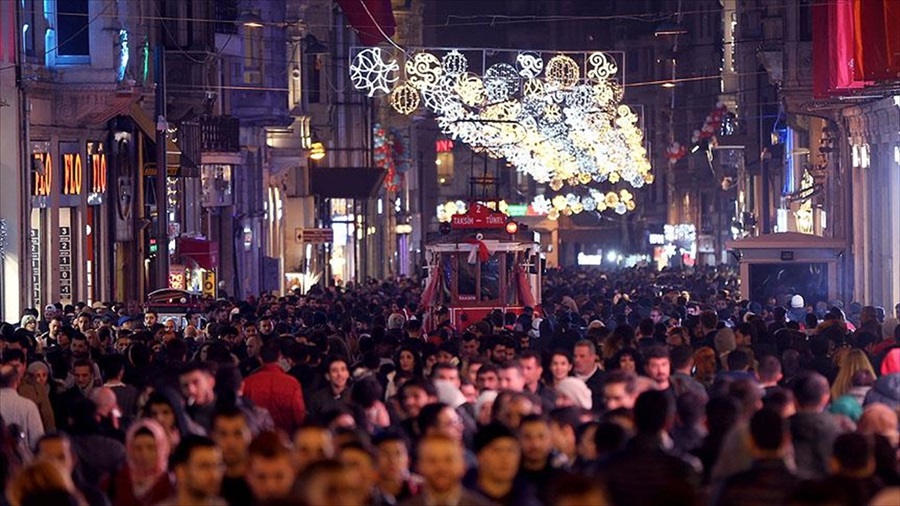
x=562, y=121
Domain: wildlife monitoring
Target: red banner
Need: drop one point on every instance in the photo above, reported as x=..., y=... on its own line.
x=876, y=39
x=373, y=20
x=834, y=53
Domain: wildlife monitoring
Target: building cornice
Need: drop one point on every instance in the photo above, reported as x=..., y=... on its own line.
x=86, y=104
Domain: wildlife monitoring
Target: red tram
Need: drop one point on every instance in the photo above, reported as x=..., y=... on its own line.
x=481, y=263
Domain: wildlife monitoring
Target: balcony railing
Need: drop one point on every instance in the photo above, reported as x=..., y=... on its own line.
x=220, y=134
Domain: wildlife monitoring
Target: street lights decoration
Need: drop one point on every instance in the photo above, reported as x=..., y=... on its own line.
x=562, y=121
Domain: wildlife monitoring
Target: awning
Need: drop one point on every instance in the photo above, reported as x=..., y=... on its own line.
x=202, y=252
x=148, y=126
x=345, y=182
x=370, y=18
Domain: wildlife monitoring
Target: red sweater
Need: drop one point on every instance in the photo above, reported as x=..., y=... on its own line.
x=279, y=392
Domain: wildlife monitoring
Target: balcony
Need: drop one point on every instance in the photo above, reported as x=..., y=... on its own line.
x=220, y=134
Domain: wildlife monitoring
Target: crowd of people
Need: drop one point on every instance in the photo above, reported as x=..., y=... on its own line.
x=629, y=387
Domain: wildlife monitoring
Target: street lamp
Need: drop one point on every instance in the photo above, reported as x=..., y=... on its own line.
x=317, y=151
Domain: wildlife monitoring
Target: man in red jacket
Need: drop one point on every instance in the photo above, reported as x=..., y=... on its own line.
x=279, y=392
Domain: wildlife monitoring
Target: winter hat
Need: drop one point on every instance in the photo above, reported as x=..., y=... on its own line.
x=485, y=397
x=891, y=362
x=490, y=433
x=35, y=366
x=576, y=390
x=27, y=319
x=797, y=301
x=449, y=394
x=886, y=390
x=724, y=341
x=395, y=321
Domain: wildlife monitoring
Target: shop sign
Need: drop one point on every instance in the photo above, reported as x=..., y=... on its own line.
x=176, y=277
x=43, y=174
x=443, y=146
x=209, y=283
x=34, y=237
x=65, y=263
x=314, y=235
x=73, y=174
x=98, y=167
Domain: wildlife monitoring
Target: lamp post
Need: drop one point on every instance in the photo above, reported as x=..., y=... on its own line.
x=162, y=214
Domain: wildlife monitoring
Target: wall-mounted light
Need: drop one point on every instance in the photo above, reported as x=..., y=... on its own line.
x=250, y=19
x=317, y=151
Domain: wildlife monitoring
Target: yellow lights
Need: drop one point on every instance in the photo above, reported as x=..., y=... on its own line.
x=512, y=227
x=403, y=228
x=405, y=99
x=446, y=210
x=562, y=71
x=668, y=84
x=619, y=202
x=560, y=120
x=317, y=151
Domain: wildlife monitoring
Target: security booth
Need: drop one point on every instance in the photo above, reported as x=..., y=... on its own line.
x=784, y=264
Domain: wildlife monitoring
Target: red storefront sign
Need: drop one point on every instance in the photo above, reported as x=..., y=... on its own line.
x=478, y=216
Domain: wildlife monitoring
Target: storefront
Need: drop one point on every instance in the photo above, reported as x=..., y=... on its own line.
x=68, y=235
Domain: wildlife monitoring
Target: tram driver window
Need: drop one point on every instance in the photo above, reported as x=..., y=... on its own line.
x=490, y=279
x=466, y=280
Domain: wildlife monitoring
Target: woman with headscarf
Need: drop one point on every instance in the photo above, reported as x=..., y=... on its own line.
x=165, y=407
x=145, y=479
x=35, y=387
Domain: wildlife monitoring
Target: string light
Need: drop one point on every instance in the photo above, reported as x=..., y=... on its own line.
x=405, y=99
x=564, y=128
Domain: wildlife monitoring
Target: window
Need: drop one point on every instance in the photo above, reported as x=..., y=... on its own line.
x=178, y=25
x=27, y=10
x=805, y=14
x=72, y=31
x=253, y=54
x=314, y=93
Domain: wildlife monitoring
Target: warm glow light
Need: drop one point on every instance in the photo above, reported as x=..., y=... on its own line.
x=317, y=151
x=562, y=121
x=668, y=84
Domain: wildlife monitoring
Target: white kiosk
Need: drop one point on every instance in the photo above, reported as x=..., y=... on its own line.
x=787, y=263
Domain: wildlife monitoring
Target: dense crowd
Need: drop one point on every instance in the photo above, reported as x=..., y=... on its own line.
x=630, y=387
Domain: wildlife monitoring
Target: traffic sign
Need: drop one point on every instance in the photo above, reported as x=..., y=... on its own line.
x=314, y=235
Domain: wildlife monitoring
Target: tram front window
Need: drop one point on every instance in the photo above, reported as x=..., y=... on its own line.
x=490, y=279
x=466, y=278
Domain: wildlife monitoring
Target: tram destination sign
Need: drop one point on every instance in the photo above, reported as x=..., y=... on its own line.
x=478, y=216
